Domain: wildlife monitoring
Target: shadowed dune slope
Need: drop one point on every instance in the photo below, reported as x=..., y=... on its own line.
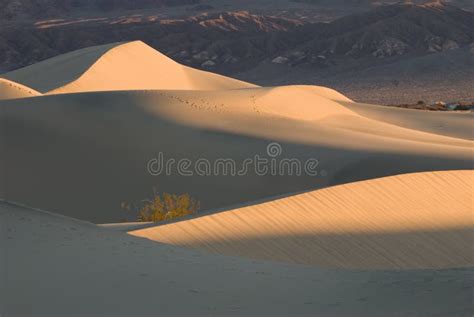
x=110, y=273
x=56, y=145
x=421, y=220
x=118, y=66
x=12, y=90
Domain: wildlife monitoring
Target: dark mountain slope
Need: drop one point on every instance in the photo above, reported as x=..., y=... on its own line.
x=267, y=49
x=42, y=9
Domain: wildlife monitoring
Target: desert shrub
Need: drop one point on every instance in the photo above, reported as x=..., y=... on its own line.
x=163, y=207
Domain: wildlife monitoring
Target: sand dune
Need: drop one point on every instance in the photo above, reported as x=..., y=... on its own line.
x=58, y=143
x=12, y=90
x=95, y=147
x=422, y=220
x=85, y=146
x=58, y=71
x=453, y=124
x=63, y=267
x=119, y=66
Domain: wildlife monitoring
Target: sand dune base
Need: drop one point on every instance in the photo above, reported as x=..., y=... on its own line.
x=61, y=267
x=422, y=220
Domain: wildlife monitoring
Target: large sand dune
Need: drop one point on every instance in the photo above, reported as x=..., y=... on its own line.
x=119, y=66
x=93, y=148
x=55, y=266
x=422, y=220
x=58, y=71
x=12, y=90
x=85, y=146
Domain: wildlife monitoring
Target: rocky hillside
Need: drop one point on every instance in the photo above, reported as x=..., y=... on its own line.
x=206, y=40
x=367, y=4
x=42, y=9
x=388, y=41
x=239, y=40
x=386, y=31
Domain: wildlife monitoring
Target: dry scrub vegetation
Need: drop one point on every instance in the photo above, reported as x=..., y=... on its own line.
x=163, y=207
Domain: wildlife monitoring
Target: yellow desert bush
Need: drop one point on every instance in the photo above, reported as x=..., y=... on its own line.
x=164, y=207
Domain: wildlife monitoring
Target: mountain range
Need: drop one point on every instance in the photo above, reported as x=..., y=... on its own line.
x=391, y=45
x=44, y=9
x=41, y=9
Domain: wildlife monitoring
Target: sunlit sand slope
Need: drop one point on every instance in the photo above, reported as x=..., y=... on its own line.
x=53, y=266
x=58, y=71
x=93, y=149
x=12, y=90
x=119, y=66
x=454, y=123
x=422, y=220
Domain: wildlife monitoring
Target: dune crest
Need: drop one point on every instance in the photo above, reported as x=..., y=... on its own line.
x=119, y=66
x=301, y=102
x=411, y=221
x=58, y=71
x=12, y=90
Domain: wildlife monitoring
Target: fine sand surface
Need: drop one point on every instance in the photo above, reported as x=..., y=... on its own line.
x=118, y=66
x=56, y=266
x=460, y=125
x=60, y=70
x=421, y=220
x=13, y=90
x=95, y=147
